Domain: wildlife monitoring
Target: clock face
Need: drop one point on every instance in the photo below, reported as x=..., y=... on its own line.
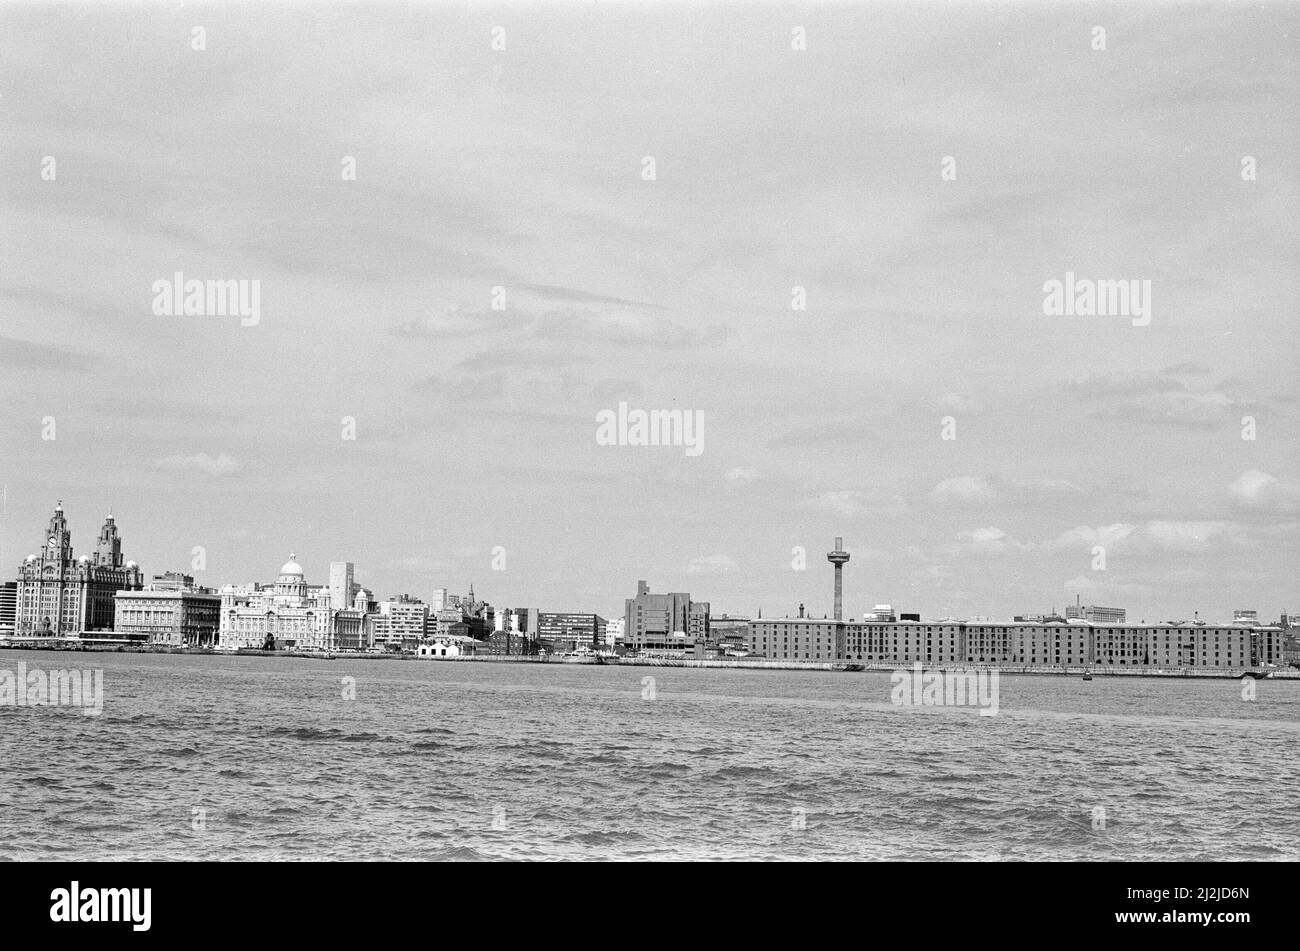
x=54, y=542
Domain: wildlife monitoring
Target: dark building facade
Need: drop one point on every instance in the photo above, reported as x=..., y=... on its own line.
x=8, y=606
x=567, y=632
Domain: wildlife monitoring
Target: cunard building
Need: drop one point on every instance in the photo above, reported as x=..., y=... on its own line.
x=61, y=595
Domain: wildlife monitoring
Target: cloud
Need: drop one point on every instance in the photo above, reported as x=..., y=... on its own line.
x=1186, y=369
x=23, y=355
x=201, y=462
x=962, y=489
x=1158, y=398
x=1260, y=492
x=1100, y=589
x=1186, y=536
x=844, y=433
x=624, y=328
x=575, y=296
x=848, y=502
x=710, y=565
x=452, y=320
x=987, y=541
x=1086, y=537
x=610, y=390
x=419, y=564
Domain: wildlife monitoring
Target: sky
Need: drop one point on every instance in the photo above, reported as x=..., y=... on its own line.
x=517, y=176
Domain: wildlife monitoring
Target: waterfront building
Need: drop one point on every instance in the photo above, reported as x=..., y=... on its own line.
x=8, y=606
x=729, y=634
x=401, y=622
x=567, y=632
x=1054, y=644
x=169, y=614
x=614, y=632
x=57, y=594
x=663, y=621
x=1044, y=641
x=449, y=646
x=286, y=615
x=1269, y=645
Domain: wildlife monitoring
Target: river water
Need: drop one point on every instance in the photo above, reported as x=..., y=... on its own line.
x=209, y=757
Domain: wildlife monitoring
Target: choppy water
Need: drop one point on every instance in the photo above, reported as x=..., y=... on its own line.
x=439, y=760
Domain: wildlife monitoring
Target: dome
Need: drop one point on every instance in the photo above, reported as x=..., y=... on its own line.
x=31, y=557
x=291, y=567
x=83, y=560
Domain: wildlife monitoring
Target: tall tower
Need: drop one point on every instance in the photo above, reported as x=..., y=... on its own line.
x=838, y=557
x=341, y=585
x=58, y=541
x=108, y=553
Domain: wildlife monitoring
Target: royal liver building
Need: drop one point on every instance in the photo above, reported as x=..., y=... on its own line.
x=58, y=594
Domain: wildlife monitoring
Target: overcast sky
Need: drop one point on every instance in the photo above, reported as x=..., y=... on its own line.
x=522, y=168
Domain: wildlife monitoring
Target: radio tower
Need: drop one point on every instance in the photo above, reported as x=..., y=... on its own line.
x=838, y=557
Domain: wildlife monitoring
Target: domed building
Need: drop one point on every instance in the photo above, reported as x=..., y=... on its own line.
x=286, y=615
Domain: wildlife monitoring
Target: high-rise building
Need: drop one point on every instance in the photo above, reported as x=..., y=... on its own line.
x=59, y=595
x=341, y=585
x=402, y=622
x=663, y=621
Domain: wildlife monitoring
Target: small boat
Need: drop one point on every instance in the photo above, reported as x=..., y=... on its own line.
x=1087, y=675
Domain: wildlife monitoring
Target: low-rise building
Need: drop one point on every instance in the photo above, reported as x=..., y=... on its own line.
x=1054, y=643
x=169, y=616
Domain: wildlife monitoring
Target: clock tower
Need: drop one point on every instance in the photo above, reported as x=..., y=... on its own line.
x=58, y=540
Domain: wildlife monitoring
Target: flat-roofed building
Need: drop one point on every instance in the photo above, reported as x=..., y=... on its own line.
x=172, y=617
x=569, y=632
x=402, y=622
x=663, y=621
x=1095, y=614
x=1052, y=644
x=8, y=606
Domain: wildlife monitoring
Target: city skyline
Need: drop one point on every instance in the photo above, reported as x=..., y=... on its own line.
x=800, y=271
x=503, y=600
